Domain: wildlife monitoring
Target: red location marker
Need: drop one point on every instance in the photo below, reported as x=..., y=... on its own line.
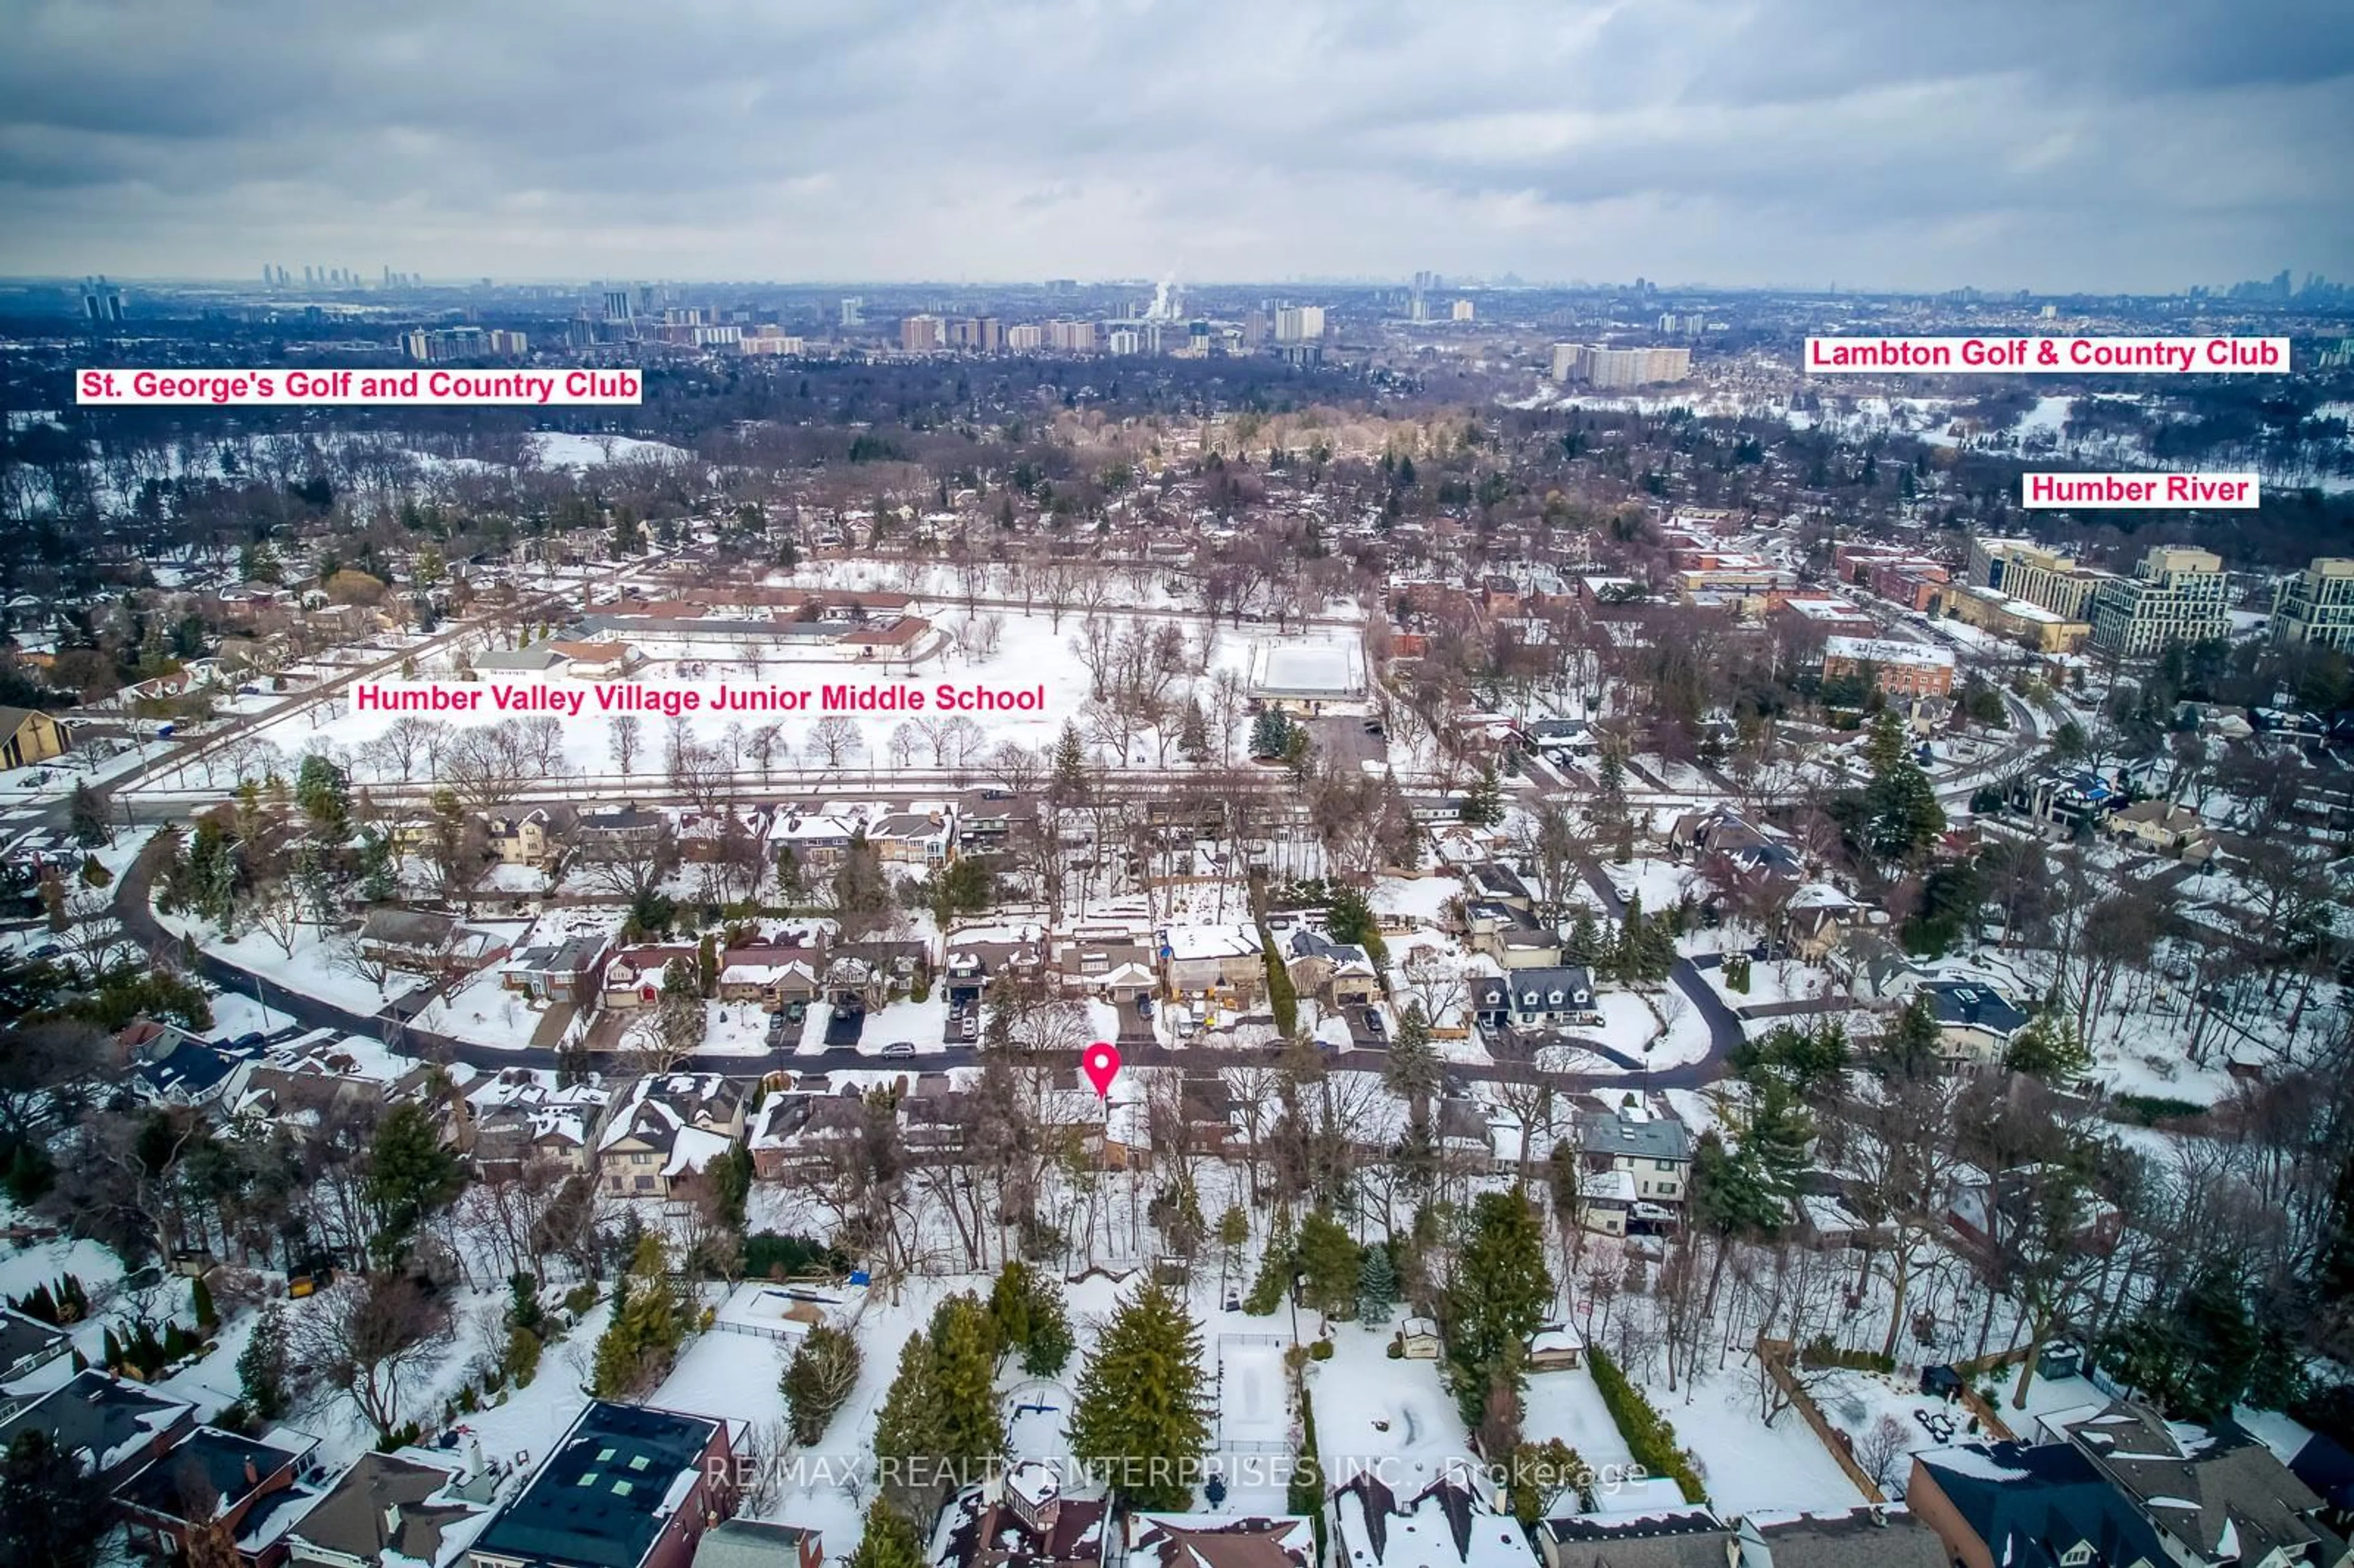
x=1101, y=1062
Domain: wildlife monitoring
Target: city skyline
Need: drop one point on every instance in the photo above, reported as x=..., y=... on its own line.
x=1789, y=147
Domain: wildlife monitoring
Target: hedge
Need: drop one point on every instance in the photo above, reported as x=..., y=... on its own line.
x=1280, y=997
x=1649, y=1438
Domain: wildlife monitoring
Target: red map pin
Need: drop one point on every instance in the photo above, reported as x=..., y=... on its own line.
x=1101, y=1062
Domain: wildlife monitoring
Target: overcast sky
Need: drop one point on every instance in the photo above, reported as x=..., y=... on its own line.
x=2141, y=144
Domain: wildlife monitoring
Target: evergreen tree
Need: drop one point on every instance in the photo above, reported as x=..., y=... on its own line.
x=2049, y=1049
x=1908, y=1048
x=818, y=1380
x=964, y=1371
x=87, y=815
x=201, y=1301
x=1327, y=1264
x=1066, y=783
x=1140, y=1413
x=325, y=795
x=1274, y=1276
x=52, y=1509
x=907, y=1433
x=649, y=1321
x=1270, y=735
x=1009, y=1306
x=1412, y=1071
x=1484, y=806
x=1584, y=945
x=1495, y=1299
x=1377, y=1287
x=889, y=1540
x=410, y=1174
x=261, y=1369
x=1193, y=732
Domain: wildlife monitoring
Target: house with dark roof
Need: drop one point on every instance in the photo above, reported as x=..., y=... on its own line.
x=1220, y=1540
x=2214, y=1496
x=391, y=1510
x=219, y=1481
x=2017, y=1505
x=28, y=1344
x=114, y=1427
x=627, y=1486
x=1976, y=1022
x=1536, y=998
x=1875, y=1537
x=666, y=1130
x=1653, y=1150
x=750, y=1544
x=1449, y=1523
x=1680, y=1538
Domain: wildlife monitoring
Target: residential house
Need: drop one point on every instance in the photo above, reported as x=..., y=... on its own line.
x=1110, y=969
x=1724, y=834
x=1678, y=1538
x=2017, y=1505
x=1451, y=1523
x=1024, y=1521
x=1220, y=1540
x=414, y=940
x=2066, y=801
x=596, y=661
x=666, y=1130
x=1818, y=918
x=1493, y=882
x=394, y=1511
x=1511, y=935
x=1653, y=1149
x=633, y=975
x=568, y=972
x=625, y=1487
x=1340, y=973
x=220, y=1481
x=1861, y=1537
x=2166, y=829
x=28, y=1344
x=803, y=1133
x=752, y=1543
x=1533, y=998
x=1987, y=1209
x=114, y=1427
x=2214, y=1496
x=191, y=1072
x=780, y=977
x=534, y=838
x=1976, y=1022
x=619, y=832
x=1223, y=962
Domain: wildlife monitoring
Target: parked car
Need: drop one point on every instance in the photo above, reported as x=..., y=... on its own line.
x=1374, y=1024
x=900, y=1048
x=971, y=1028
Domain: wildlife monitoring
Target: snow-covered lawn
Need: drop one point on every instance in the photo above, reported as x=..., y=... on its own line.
x=317, y=967
x=1661, y=884
x=1745, y=1463
x=1778, y=979
x=1370, y=1410
x=1566, y=1404
x=481, y=1011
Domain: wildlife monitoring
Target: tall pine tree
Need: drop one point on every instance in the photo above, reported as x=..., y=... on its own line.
x=1141, y=1415
x=1495, y=1299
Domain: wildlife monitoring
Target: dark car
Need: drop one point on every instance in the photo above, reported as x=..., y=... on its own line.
x=1374, y=1024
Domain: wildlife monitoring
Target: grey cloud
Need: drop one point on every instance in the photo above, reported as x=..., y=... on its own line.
x=2055, y=143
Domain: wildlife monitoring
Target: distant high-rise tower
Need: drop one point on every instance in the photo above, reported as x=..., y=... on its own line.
x=101, y=302
x=617, y=305
x=853, y=311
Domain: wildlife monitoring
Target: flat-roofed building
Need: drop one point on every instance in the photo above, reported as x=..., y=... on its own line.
x=2316, y=607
